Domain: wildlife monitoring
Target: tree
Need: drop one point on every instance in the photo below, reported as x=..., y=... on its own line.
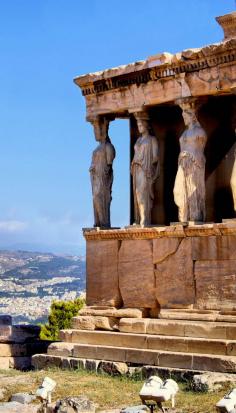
x=61, y=313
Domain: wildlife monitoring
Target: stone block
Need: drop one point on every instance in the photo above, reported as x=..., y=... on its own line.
x=164, y=247
x=78, y=337
x=75, y=404
x=83, y=322
x=5, y=333
x=113, y=368
x=44, y=361
x=214, y=248
x=231, y=348
x=65, y=363
x=167, y=343
x=77, y=364
x=174, y=277
x=18, y=333
x=141, y=356
x=102, y=273
x=91, y=365
x=116, y=339
x=5, y=320
x=216, y=284
x=23, y=349
x=85, y=351
x=204, y=346
x=212, y=382
x=19, y=363
x=136, y=274
x=189, y=315
x=130, y=325
x=214, y=363
x=230, y=332
x=136, y=409
x=154, y=312
x=66, y=336
x=61, y=349
x=11, y=350
x=112, y=312
x=208, y=330
x=175, y=360
x=165, y=327
x=111, y=353
x=106, y=323
x=5, y=362
x=15, y=407
x=23, y=398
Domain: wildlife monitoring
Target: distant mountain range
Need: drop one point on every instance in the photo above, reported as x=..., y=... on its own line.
x=30, y=281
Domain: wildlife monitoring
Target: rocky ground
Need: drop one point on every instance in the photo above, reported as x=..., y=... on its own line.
x=103, y=392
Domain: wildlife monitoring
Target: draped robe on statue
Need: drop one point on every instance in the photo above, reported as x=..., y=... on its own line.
x=189, y=188
x=144, y=169
x=101, y=179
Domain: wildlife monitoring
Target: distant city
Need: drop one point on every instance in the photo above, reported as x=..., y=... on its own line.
x=30, y=281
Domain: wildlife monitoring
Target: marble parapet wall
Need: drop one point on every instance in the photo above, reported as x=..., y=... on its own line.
x=163, y=267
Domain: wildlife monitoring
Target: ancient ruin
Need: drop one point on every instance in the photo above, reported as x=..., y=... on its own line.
x=164, y=288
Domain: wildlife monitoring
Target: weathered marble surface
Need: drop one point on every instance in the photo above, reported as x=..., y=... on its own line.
x=216, y=284
x=164, y=77
x=101, y=173
x=174, y=275
x=136, y=274
x=195, y=269
x=102, y=273
x=145, y=170
x=189, y=187
x=233, y=183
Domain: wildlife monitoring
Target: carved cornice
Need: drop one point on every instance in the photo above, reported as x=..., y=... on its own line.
x=228, y=24
x=187, y=62
x=173, y=231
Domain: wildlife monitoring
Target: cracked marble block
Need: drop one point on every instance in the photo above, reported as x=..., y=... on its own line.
x=136, y=274
x=102, y=273
x=172, y=258
x=216, y=284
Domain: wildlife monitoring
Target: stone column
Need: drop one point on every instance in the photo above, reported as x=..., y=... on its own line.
x=101, y=172
x=189, y=187
x=144, y=170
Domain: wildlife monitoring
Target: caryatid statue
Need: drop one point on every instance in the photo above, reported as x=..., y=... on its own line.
x=145, y=170
x=189, y=187
x=101, y=173
x=233, y=175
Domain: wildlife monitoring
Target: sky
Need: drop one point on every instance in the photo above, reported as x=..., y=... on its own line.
x=45, y=142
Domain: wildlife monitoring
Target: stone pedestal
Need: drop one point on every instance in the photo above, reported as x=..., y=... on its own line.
x=18, y=343
x=176, y=310
x=191, y=266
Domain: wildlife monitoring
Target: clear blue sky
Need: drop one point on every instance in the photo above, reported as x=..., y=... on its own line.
x=46, y=144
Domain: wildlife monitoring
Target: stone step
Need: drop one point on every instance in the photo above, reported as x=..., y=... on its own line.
x=183, y=328
x=113, y=312
x=23, y=349
x=18, y=333
x=152, y=342
x=198, y=315
x=44, y=361
x=190, y=361
x=19, y=363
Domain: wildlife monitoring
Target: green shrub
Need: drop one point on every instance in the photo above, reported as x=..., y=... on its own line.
x=61, y=313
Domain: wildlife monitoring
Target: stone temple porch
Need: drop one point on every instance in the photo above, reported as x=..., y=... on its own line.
x=164, y=295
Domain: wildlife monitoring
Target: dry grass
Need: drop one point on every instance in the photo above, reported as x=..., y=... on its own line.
x=107, y=392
